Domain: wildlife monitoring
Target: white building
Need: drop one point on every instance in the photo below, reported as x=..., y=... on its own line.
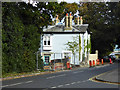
x=55, y=37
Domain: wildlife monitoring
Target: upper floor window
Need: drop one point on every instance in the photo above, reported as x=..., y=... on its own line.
x=47, y=40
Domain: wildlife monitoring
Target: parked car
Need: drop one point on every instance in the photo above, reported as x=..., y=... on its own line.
x=113, y=58
x=106, y=58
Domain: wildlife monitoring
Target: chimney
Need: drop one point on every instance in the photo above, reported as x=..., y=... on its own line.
x=78, y=20
x=70, y=21
x=66, y=20
x=56, y=20
x=81, y=20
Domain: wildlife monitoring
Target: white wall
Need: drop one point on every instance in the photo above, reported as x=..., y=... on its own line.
x=58, y=46
x=58, y=42
x=93, y=57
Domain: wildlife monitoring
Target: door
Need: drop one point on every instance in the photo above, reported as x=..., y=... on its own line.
x=46, y=60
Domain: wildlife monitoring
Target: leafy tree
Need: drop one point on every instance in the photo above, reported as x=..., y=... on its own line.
x=102, y=20
x=74, y=46
x=22, y=24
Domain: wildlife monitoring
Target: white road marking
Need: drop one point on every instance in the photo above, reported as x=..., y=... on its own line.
x=79, y=82
x=67, y=84
x=78, y=72
x=50, y=77
x=55, y=76
x=73, y=82
x=60, y=86
x=70, y=83
x=53, y=87
x=12, y=84
x=16, y=84
x=83, y=81
x=28, y=81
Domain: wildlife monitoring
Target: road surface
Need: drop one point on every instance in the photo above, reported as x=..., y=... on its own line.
x=78, y=78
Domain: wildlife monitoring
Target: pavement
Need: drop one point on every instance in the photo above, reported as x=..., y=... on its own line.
x=111, y=77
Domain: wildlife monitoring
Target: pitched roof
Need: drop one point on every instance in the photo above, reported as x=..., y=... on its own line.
x=61, y=28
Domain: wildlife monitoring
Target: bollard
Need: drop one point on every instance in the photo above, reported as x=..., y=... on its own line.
x=102, y=61
x=94, y=63
x=68, y=65
x=110, y=61
x=90, y=63
x=97, y=61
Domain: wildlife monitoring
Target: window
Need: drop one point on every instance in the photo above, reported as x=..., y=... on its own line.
x=47, y=59
x=47, y=40
x=45, y=43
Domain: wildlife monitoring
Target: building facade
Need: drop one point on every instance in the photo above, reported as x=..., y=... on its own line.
x=61, y=41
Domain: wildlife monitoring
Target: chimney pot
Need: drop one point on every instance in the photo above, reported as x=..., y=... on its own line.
x=78, y=20
x=81, y=20
x=66, y=14
x=68, y=21
x=56, y=20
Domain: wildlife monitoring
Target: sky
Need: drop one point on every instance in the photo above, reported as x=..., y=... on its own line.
x=68, y=1
x=76, y=1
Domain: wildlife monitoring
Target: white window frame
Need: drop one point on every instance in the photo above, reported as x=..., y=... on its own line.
x=47, y=38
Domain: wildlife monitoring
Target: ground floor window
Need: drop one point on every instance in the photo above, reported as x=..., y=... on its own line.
x=46, y=60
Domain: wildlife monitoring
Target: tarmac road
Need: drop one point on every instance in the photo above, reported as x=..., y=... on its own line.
x=78, y=78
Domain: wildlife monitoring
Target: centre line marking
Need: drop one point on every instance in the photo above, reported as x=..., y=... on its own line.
x=53, y=87
x=73, y=83
x=60, y=85
x=55, y=76
x=67, y=84
x=28, y=81
x=12, y=85
x=17, y=84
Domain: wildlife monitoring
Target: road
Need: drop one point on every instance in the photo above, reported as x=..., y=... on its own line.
x=78, y=78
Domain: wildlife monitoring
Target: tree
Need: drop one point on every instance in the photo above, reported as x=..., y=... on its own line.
x=74, y=46
x=103, y=22
x=22, y=24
